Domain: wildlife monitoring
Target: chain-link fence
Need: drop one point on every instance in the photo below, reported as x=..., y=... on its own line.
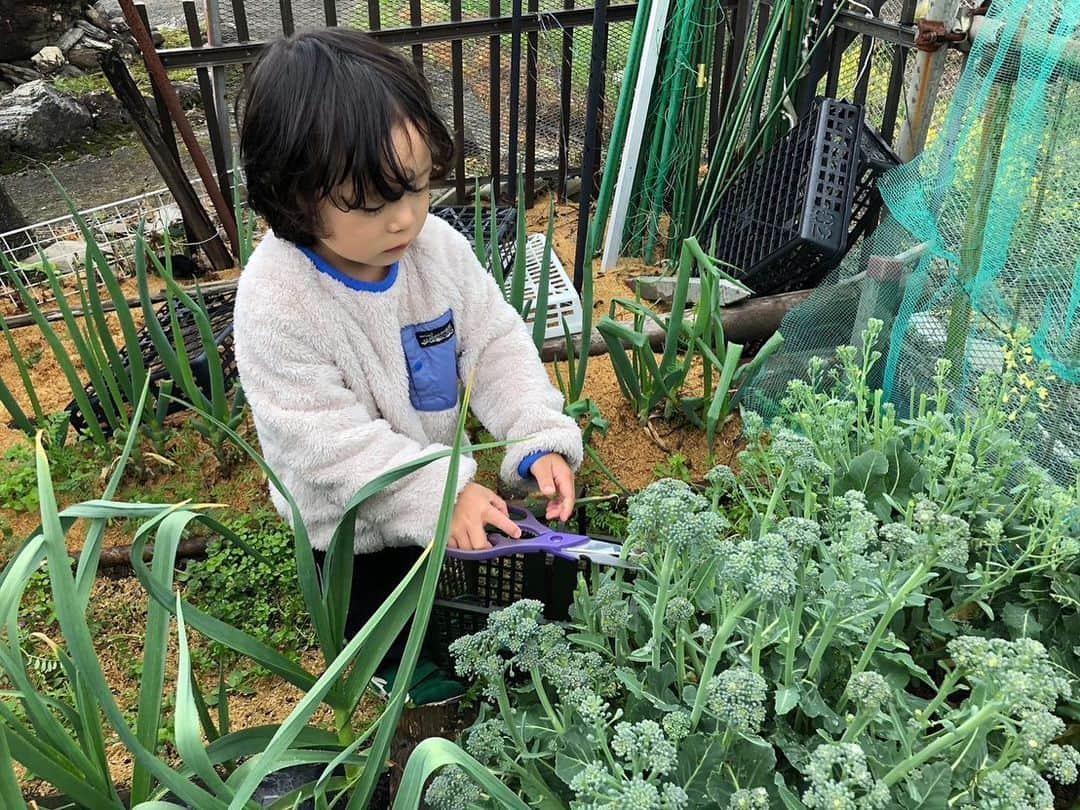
x=559, y=72
x=60, y=242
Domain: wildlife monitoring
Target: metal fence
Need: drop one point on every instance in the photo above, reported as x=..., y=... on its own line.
x=511, y=76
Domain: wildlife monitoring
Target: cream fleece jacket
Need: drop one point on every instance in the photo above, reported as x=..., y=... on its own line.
x=347, y=380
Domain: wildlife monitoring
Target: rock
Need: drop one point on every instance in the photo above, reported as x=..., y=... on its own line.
x=27, y=26
x=17, y=74
x=71, y=72
x=93, y=31
x=662, y=288
x=189, y=93
x=110, y=8
x=66, y=255
x=95, y=44
x=69, y=38
x=106, y=109
x=183, y=267
x=97, y=18
x=85, y=58
x=49, y=59
x=35, y=118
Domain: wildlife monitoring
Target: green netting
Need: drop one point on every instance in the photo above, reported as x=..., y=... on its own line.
x=978, y=260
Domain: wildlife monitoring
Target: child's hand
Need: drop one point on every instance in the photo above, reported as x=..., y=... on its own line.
x=477, y=507
x=556, y=482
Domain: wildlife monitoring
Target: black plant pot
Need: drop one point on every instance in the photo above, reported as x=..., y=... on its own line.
x=283, y=782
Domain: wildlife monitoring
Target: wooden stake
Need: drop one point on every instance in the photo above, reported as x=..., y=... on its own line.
x=161, y=81
x=195, y=216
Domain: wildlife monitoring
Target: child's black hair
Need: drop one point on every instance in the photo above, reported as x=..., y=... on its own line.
x=319, y=110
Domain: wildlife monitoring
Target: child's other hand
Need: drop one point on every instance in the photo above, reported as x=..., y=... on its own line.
x=556, y=481
x=477, y=507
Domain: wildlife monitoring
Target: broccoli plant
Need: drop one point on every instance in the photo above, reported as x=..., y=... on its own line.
x=835, y=623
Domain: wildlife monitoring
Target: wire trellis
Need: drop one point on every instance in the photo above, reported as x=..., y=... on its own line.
x=113, y=226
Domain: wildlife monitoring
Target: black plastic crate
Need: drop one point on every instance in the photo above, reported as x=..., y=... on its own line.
x=785, y=221
x=219, y=306
x=470, y=590
x=463, y=219
x=875, y=158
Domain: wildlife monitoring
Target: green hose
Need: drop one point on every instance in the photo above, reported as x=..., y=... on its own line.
x=656, y=192
x=622, y=115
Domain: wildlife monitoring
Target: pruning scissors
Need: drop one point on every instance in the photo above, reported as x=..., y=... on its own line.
x=536, y=537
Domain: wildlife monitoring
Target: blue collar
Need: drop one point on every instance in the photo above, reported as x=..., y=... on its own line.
x=353, y=284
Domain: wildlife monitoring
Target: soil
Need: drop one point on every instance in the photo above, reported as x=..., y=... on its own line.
x=633, y=451
x=630, y=449
x=117, y=617
x=54, y=394
x=607, y=286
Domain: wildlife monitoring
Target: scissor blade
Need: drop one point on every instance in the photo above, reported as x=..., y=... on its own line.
x=600, y=552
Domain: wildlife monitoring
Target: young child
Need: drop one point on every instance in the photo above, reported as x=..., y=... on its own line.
x=358, y=316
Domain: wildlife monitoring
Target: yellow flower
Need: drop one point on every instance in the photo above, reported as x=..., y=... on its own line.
x=1012, y=416
x=1043, y=393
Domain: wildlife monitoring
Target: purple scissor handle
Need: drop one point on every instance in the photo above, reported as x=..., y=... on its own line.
x=538, y=538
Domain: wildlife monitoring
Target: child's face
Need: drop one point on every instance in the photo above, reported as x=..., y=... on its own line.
x=376, y=235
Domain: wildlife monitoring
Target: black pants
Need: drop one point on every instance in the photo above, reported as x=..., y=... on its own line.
x=375, y=576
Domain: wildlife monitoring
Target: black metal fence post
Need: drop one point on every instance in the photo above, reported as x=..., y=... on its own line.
x=240, y=20
x=590, y=157
x=896, y=78
x=288, y=26
x=206, y=92
x=495, y=105
x=532, y=66
x=416, y=19
x=515, y=101
x=457, y=82
x=819, y=63
x=566, y=77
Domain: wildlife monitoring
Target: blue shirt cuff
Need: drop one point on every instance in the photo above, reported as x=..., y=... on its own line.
x=526, y=463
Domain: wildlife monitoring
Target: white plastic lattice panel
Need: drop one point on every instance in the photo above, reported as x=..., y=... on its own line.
x=563, y=301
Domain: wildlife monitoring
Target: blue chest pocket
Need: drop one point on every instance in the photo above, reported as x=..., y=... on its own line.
x=431, y=356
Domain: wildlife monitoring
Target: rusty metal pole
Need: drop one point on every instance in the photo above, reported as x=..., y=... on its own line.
x=929, y=67
x=161, y=81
